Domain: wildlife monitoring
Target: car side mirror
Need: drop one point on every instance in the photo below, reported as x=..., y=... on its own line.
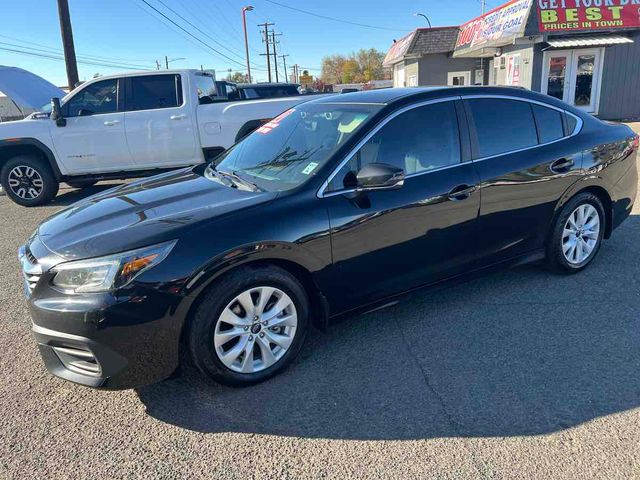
x=379, y=176
x=56, y=112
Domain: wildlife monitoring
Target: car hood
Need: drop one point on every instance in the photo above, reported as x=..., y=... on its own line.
x=143, y=213
x=27, y=89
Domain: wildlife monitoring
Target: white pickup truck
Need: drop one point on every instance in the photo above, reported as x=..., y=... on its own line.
x=125, y=126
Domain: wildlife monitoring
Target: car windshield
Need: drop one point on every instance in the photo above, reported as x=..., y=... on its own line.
x=290, y=149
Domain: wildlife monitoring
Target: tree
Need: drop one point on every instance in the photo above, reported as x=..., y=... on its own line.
x=359, y=67
x=237, y=77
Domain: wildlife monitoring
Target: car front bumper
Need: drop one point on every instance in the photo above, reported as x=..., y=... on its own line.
x=111, y=340
x=108, y=342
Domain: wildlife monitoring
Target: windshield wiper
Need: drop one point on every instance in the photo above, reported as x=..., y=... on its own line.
x=234, y=176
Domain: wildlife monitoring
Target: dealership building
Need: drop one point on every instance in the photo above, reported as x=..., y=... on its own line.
x=585, y=52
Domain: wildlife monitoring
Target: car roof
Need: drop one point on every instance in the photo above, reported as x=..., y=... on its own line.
x=266, y=85
x=389, y=96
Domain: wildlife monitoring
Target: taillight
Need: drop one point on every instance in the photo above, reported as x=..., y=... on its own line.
x=635, y=142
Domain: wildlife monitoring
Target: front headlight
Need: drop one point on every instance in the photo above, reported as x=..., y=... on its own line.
x=106, y=273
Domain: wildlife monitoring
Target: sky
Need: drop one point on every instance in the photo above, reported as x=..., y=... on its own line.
x=113, y=36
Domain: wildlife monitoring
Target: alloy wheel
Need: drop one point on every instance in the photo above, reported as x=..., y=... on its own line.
x=581, y=234
x=25, y=182
x=255, y=330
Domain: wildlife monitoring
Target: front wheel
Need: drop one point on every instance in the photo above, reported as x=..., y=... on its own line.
x=249, y=326
x=28, y=181
x=577, y=234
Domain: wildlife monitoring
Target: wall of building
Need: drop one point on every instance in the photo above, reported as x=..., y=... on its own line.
x=434, y=68
x=411, y=72
x=620, y=91
x=527, y=62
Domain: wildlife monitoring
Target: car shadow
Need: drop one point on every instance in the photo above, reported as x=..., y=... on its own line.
x=521, y=352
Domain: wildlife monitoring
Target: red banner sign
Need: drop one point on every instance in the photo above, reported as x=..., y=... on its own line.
x=563, y=15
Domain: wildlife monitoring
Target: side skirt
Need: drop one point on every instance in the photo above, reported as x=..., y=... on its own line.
x=392, y=300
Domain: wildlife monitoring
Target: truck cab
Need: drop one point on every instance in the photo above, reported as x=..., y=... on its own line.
x=125, y=126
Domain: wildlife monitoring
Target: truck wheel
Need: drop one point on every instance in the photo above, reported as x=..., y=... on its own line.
x=28, y=181
x=81, y=183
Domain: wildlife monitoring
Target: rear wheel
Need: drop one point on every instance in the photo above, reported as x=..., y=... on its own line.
x=28, y=181
x=249, y=326
x=577, y=234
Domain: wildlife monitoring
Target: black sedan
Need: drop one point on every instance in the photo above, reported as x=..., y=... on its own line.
x=344, y=203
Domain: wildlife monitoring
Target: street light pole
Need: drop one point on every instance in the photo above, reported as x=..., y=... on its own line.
x=246, y=39
x=168, y=60
x=424, y=16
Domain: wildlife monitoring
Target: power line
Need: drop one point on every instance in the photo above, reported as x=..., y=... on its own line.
x=198, y=29
x=60, y=58
x=57, y=50
x=81, y=57
x=191, y=34
x=334, y=19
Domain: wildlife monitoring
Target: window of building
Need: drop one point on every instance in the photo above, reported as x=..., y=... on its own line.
x=548, y=122
x=419, y=140
x=155, y=91
x=95, y=99
x=502, y=125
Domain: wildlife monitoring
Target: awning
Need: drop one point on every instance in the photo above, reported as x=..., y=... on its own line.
x=590, y=41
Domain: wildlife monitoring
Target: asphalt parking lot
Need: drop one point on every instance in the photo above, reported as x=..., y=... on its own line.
x=521, y=374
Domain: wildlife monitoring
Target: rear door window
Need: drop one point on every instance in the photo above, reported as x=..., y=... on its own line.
x=152, y=92
x=502, y=125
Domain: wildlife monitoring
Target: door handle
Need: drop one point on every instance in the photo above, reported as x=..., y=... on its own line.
x=561, y=166
x=461, y=192
x=111, y=123
x=178, y=117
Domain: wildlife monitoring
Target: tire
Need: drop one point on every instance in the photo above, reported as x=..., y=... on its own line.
x=39, y=185
x=81, y=183
x=208, y=331
x=586, y=243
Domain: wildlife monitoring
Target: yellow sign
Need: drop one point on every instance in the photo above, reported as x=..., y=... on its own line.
x=306, y=79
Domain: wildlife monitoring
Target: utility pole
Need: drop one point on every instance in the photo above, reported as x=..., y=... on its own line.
x=266, y=41
x=166, y=62
x=67, y=44
x=284, y=61
x=246, y=39
x=275, y=52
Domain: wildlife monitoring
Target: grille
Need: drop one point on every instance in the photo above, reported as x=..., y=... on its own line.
x=31, y=270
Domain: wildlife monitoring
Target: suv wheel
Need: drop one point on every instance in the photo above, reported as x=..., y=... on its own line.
x=28, y=181
x=249, y=326
x=577, y=234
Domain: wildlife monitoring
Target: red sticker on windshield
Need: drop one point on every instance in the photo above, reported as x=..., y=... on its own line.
x=267, y=127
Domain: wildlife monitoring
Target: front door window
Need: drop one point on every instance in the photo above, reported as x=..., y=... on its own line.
x=574, y=77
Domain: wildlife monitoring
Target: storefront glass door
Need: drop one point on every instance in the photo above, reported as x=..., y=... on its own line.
x=574, y=77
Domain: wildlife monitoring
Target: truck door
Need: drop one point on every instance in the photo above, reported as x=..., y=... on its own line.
x=159, y=122
x=93, y=140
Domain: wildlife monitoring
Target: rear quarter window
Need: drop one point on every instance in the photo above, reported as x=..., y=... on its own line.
x=548, y=123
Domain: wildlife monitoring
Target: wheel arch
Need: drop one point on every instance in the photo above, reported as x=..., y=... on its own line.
x=249, y=127
x=28, y=146
x=597, y=187
x=279, y=255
